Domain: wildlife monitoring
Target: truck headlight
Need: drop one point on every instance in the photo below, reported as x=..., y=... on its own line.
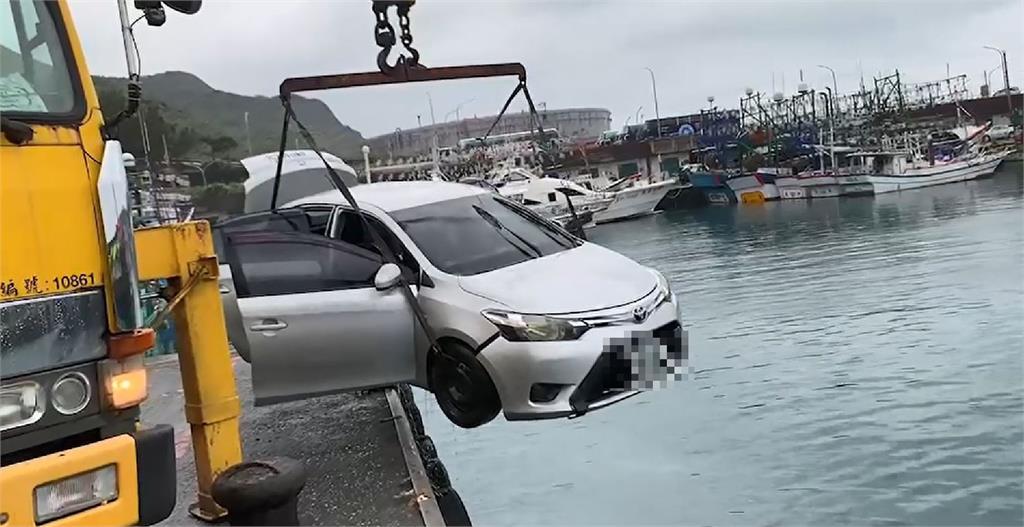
x=71, y=393
x=77, y=493
x=519, y=327
x=21, y=404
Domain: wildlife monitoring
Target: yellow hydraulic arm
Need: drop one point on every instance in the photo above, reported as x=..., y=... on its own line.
x=183, y=254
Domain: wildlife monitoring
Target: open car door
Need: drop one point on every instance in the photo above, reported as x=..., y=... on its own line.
x=311, y=219
x=319, y=315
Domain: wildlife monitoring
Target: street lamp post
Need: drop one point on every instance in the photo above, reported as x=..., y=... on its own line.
x=248, y=140
x=366, y=162
x=1006, y=76
x=431, y=103
x=457, y=109
x=831, y=129
x=835, y=88
x=654, y=88
x=988, y=73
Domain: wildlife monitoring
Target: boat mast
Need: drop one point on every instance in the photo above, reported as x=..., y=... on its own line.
x=821, y=150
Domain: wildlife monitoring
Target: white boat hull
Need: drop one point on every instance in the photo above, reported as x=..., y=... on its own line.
x=636, y=201
x=750, y=189
x=931, y=176
x=792, y=192
x=826, y=190
x=815, y=186
x=855, y=185
x=790, y=188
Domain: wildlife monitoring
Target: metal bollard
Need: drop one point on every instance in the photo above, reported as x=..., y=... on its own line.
x=261, y=492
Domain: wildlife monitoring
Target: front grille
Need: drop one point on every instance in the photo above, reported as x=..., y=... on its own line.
x=609, y=376
x=49, y=332
x=671, y=336
x=622, y=367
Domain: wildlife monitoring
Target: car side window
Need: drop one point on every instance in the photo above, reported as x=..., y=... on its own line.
x=269, y=263
x=306, y=218
x=319, y=216
x=350, y=229
x=281, y=220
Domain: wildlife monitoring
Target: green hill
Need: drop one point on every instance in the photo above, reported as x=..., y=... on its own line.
x=199, y=121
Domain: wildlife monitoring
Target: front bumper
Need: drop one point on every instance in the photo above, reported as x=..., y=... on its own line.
x=146, y=480
x=587, y=373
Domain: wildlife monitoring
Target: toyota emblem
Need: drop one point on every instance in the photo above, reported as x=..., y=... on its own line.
x=639, y=313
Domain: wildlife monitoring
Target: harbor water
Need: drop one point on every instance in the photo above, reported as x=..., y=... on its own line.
x=854, y=361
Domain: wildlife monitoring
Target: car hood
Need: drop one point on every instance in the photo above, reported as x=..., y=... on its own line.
x=585, y=278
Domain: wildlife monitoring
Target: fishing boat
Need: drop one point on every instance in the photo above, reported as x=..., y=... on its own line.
x=683, y=197
x=896, y=171
x=758, y=187
x=634, y=197
x=790, y=187
x=629, y=197
x=910, y=162
x=834, y=177
x=548, y=196
x=853, y=184
x=711, y=183
x=807, y=185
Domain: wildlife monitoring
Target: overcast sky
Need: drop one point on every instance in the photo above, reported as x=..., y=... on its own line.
x=576, y=53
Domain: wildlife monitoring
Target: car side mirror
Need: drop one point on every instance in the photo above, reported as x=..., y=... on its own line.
x=387, y=277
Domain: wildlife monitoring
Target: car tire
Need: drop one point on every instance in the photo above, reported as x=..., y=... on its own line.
x=462, y=387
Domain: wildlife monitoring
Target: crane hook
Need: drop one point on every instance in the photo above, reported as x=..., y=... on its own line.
x=384, y=34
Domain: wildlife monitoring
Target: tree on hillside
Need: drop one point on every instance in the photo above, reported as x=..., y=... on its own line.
x=181, y=140
x=222, y=171
x=220, y=146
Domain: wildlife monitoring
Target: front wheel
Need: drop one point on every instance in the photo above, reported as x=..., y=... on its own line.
x=462, y=387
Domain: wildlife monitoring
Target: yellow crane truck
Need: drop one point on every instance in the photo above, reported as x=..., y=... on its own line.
x=72, y=338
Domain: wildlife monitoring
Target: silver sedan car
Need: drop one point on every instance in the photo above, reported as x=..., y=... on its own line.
x=528, y=319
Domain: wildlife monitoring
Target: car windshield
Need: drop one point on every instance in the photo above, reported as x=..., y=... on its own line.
x=481, y=233
x=34, y=75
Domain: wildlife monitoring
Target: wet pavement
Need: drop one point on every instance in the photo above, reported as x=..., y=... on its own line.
x=357, y=472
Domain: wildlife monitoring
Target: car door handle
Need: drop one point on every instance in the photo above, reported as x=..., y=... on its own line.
x=268, y=325
x=224, y=290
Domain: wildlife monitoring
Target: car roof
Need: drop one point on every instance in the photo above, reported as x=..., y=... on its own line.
x=396, y=195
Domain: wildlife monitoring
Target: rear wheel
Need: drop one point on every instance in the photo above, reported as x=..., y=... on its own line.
x=462, y=387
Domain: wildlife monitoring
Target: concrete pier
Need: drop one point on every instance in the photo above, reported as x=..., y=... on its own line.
x=365, y=452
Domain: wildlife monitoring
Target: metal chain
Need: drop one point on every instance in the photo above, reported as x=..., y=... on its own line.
x=403, y=23
x=384, y=34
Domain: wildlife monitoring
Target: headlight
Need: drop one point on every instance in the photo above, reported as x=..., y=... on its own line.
x=21, y=404
x=77, y=493
x=518, y=327
x=71, y=393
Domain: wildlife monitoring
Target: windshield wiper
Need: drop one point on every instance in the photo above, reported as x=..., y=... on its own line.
x=500, y=227
x=548, y=227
